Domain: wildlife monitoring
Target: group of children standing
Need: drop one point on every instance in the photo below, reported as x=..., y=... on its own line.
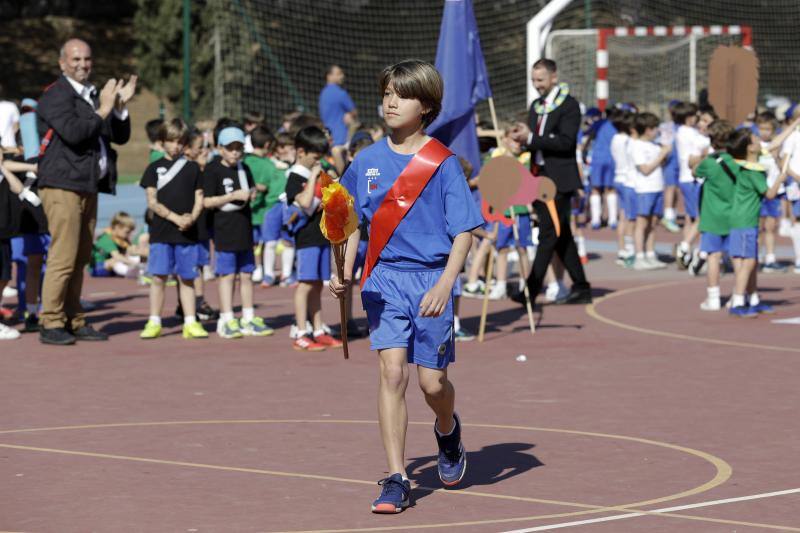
x=738, y=187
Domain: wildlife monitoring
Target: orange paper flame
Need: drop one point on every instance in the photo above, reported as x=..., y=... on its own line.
x=339, y=219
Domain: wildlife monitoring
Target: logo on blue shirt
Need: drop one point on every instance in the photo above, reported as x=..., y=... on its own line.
x=372, y=176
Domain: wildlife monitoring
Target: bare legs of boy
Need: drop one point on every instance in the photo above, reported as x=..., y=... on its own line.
x=393, y=417
x=191, y=328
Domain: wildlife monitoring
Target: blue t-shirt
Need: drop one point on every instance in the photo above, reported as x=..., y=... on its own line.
x=601, y=147
x=334, y=102
x=444, y=209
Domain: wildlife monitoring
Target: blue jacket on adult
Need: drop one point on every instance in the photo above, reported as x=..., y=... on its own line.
x=72, y=133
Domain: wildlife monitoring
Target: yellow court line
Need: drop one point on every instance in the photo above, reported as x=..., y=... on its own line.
x=723, y=469
x=591, y=310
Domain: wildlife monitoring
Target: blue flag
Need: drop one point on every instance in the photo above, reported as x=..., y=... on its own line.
x=460, y=61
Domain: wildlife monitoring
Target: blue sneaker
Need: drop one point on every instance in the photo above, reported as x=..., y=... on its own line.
x=595, y=226
x=763, y=308
x=395, y=495
x=267, y=281
x=291, y=281
x=452, y=464
x=743, y=311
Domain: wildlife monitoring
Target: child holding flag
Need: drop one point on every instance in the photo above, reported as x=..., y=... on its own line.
x=414, y=194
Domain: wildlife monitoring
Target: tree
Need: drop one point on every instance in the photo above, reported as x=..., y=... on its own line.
x=159, y=50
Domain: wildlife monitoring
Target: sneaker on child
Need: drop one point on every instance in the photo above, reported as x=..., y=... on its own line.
x=452, y=460
x=229, y=329
x=395, y=495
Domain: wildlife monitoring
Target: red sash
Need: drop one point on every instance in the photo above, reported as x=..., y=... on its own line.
x=400, y=198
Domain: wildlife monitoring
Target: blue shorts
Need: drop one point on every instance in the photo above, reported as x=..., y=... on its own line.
x=712, y=243
x=649, y=204
x=98, y=270
x=361, y=255
x=35, y=243
x=691, y=198
x=272, y=229
x=391, y=298
x=601, y=174
x=743, y=242
x=505, y=234
x=234, y=262
x=671, y=170
x=257, y=235
x=629, y=203
x=204, y=253
x=178, y=259
x=313, y=263
x=771, y=208
x=796, y=208
x=17, y=245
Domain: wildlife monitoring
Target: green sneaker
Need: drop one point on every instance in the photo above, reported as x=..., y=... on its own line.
x=151, y=330
x=229, y=329
x=194, y=331
x=256, y=328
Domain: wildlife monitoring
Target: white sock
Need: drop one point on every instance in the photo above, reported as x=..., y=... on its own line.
x=713, y=293
x=31, y=308
x=121, y=269
x=248, y=313
x=189, y=319
x=737, y=300
x=553, y=287
x=770, y=258
x=684, y=247
x=155, y=319
x=471, y=286
x=456, y=323
x=269, y=258
x=639, y=255
x=754, y=299
x=287, y=262
x=651, y=254
x=670, y=214
x=628, y=239
x=318, y=332
x=613, y=212
x=226, y=317
x=580, y=242
x=595, y=208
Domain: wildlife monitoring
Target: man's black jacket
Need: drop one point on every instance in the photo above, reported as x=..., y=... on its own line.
x=558, y=144
x=72, y=132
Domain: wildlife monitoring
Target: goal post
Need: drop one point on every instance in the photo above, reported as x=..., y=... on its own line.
x=649, y=65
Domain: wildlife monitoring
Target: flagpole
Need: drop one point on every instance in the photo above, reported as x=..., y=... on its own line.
x=498, y=134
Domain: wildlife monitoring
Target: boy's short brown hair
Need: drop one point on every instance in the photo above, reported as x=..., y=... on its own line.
x=174, y=130
x=414, y=78
x=719, y=132
x=644, y=121
x=123, y=219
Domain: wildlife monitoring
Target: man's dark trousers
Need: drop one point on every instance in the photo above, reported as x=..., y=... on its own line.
x=563, y=245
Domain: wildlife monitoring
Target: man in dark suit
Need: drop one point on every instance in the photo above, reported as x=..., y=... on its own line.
x=78, y=126
x=551, y=138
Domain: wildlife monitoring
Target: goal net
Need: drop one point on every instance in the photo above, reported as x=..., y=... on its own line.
x=646, y=65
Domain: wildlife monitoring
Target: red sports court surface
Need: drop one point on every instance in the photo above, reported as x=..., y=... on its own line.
x=638, y=413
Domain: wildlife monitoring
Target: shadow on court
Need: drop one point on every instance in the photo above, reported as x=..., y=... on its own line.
x=487, y=466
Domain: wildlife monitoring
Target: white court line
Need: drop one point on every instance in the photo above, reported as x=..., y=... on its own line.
x=662, y=510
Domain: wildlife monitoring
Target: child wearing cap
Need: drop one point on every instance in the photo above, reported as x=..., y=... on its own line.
x=175, y=197
x=419, y=240
x=228, y=187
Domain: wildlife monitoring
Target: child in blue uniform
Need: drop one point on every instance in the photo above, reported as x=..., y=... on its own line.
x=408, y=294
